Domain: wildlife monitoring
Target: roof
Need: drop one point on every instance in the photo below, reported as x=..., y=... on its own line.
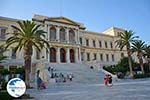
x=60, y=19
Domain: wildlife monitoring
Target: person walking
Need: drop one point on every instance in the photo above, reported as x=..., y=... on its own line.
x=106, y=80
x=40, y=83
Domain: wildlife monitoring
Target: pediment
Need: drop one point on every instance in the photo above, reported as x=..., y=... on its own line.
x=63, y=20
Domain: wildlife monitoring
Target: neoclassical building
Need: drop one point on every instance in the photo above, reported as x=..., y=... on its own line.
x=69, y=41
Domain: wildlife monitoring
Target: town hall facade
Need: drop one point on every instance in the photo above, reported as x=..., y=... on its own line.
x=69, y=41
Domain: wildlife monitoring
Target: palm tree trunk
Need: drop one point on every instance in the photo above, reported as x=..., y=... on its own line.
x=130, y=63
x=148, y=60
x=27, y=64
x=141, y=64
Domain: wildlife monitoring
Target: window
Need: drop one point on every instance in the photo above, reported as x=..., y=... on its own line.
x=118, y=34
x=2, y=32
x=71, y=36
x=100, y=44
x=15, y=31
x=106, y=44
x=101, y=57
x=94, y=45
x=113, y=58
x=62, y=35
x=13, y=54
x=122, y=55
x=95, y=56
x=52, y=34
x=111, y=44
x=37, y=54
x=88, y=56
x=107, y=57
x=87, y=42
x=80, y=40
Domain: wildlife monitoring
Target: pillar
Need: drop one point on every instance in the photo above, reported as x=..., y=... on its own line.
x=57, y=33
x=58, y=55
x=48, y=55
x=48, y=32
x=68, y=55
x=76, y=55
x=76, y=36
x=79, y=55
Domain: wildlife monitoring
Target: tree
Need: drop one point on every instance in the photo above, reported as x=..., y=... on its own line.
x=125, y=40
x=139, y=46
x=147, y=54
x=27, y=37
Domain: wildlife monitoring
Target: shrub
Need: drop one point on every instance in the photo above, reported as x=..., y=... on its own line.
x=141, y=76
x=4, y=72
x=19, y=71
x=3, y=85
x=5, y=96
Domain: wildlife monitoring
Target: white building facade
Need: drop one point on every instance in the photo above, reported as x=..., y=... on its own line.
x=69, y=41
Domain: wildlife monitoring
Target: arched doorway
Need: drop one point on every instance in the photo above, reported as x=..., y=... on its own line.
x=72, y=57
x=52, y=55
x=62, y=55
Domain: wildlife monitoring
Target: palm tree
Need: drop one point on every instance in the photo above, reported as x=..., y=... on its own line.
x=27, y=37
x=139, y=47
x=147, y=54
x=125, y=40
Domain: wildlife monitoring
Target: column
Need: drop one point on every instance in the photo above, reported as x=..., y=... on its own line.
x=76, y=55
x=79, y=55
x=48, y=55
x=48, y=32
x=67, y=35
x=68, y=55
x=58, y=55
x=76, y=36
x=98, y=56
x=57, y=33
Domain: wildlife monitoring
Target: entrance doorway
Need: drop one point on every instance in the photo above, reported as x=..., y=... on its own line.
x=62, y=55
x=72, y=57
x=53, y=55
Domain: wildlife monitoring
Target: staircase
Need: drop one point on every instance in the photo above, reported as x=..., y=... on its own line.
x=82, y=73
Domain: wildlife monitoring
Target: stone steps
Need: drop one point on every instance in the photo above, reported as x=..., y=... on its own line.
x=82, y=73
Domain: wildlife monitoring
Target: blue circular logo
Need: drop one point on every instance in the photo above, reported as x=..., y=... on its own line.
x=16, y=87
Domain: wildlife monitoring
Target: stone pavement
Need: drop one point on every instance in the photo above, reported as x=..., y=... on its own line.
x=122, y=90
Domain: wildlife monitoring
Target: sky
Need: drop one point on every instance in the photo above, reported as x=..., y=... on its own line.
x=96, y=15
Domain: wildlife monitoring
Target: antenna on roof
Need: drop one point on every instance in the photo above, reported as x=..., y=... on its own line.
x=61, y=5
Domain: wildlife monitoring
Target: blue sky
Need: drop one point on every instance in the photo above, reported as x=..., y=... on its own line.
x=96, y=15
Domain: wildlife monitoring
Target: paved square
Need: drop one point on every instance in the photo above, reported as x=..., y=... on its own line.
x=122, y=90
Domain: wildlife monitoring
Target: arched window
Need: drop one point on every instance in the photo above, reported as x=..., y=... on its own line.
x=71, y=36
x=52, y=33
x=62, y=35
